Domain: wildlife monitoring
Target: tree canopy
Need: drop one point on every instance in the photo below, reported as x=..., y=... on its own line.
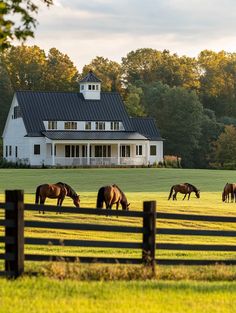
x=24, y=10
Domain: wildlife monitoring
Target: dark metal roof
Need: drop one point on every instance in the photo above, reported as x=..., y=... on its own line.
x=90, y=78
x=37, y=107
x=93, y=135
x=146, y=126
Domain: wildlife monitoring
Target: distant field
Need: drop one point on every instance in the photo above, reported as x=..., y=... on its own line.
x=130, y=180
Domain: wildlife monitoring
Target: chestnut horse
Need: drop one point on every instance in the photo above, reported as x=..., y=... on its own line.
x=229, y=190
x=56, y=191
x=186, y=189
x=112, y=195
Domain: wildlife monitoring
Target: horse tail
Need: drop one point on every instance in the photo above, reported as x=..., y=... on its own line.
x=37, y=194
x=100, y=198
x=171, y=191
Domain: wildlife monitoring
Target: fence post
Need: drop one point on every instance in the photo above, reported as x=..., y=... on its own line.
x=14, y=233
x=149, y=233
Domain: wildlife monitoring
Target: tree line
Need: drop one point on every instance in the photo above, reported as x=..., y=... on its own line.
x=193, y=100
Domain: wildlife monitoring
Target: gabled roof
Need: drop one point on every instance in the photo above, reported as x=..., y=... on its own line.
x=146, y=126
x=37, y=107
x=90, y=78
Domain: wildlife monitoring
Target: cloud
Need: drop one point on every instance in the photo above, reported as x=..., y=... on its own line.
x=97, y=27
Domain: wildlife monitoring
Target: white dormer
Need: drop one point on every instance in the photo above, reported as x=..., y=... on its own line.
x=90, y=87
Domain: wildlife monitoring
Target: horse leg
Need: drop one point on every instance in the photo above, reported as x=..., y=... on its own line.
x=42, y=201
x=184, y=196
x=189, y=195
x=175, y=196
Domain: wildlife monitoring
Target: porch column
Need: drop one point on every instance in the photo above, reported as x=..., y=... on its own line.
x=53, y=154
x=118, y=154
x=88, y=153
x=148, y=152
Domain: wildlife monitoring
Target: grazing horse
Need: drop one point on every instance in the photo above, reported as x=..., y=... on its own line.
x=112, y=195
x=186, y=189
x=229, y=190
x=56, y=191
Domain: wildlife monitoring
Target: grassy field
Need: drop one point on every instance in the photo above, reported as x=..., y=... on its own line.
x=38, y=295
x=43, y=295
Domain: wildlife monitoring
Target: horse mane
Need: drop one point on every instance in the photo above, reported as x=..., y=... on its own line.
x=190, y=185
x=122, y=194
x=70, y=190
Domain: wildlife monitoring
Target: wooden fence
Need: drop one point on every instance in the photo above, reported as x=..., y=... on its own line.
x=14, y=240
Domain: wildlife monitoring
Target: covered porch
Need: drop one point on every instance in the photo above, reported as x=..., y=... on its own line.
x=96, y=153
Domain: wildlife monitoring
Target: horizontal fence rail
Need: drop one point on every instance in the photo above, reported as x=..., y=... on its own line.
x=14, y=240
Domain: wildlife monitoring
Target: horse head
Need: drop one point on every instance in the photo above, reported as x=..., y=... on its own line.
x=76, y=200
x=197, y=192
x=223, y=196
x=125, y=205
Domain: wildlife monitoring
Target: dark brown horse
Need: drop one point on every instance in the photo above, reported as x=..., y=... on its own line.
x=56, y=191
x=229, y=190
x=112, y=195
x=186, y=189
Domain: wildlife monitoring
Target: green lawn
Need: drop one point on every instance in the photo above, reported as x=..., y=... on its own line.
x=130, y=180
x=43, y=295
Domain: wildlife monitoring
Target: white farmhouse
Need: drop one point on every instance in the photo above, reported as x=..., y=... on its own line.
x=76, y=129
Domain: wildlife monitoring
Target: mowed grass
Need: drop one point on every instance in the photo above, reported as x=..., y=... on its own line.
x=139, y=185
x=44, y=294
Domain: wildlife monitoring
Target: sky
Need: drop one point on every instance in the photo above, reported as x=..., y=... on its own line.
x=84, y=29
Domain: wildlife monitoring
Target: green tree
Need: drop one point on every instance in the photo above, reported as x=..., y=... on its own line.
x=149, y=65
x=218, y=82
x=133, y=101
x=225, y=147
x=210, y=131
x=24, y=10
x=108, y=71
x=178, y=113
x=26, y=67
x=6, y=95
x=60, y=74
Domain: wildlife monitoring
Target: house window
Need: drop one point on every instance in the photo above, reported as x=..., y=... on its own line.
x=10, y=150
x=84, y=151
x=124, y=151
x=153, y=150
x=52, y=124
x=6, y=152
x=36, y=149
x=115, y=125
x=139, y=150
x=97, y=87
x=100, y=125
x=16, y=112
x=67, y=151
x=89, y=87
x=70, y=125
x=16, y=151
x=88, y=125
x=77, y=151
x=102, y=151
x=82, y=87
x=93, y=87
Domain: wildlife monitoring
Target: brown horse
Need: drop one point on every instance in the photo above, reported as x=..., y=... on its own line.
x=56, y=191
x=229, y=190
x=112, y=195
x=186, y=189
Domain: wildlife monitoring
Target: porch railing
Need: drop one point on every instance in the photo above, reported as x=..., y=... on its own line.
x=103, y=161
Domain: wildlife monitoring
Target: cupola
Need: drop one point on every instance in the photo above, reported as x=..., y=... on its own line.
x=90, y=86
